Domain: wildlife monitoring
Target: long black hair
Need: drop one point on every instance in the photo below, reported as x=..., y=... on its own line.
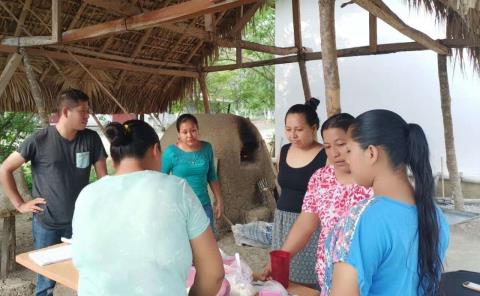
x=340, y=120
x=406, y=145
x=308, y=110
x=130, y=139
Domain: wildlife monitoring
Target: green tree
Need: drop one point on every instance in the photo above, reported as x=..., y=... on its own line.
x=14, y=128
x=248, y=92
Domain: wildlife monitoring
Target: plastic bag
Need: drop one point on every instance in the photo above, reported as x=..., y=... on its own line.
x=255, y=234
x=270, y=288
x=239, y=275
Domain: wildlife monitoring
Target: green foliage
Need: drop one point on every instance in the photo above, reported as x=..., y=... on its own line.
x=27, y=171
x=249, y=92
x=14, y=128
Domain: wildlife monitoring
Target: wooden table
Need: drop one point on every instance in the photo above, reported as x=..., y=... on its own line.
x=66, y=274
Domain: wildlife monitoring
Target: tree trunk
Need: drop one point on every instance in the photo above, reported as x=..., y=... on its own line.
x=329, y=56
x=454, y=176
x=35, y=88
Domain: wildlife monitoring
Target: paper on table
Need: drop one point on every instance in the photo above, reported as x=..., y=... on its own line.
x=53, y=255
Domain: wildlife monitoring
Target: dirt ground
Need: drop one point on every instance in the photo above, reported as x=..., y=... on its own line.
x=20, y=282
x=462, y=254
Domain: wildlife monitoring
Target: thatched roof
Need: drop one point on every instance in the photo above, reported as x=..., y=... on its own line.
x=146, y=65
x=141, y=88
x=463, y=22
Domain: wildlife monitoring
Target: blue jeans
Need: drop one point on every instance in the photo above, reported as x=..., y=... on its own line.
x=209, y=211
x=43, y=237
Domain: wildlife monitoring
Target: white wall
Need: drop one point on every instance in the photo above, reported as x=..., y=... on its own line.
x=406, y=83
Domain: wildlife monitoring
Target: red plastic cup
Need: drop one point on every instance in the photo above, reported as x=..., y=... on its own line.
x=280, y=262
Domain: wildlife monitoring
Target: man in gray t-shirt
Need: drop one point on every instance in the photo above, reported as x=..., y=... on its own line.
x=61, y=158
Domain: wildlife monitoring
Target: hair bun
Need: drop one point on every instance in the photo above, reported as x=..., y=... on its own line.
x=117, y=134
x=313, y=103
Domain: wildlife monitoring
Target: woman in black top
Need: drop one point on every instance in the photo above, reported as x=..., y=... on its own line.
x=298, y=161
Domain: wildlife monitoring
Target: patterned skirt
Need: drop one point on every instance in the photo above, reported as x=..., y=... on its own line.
x=302, y=266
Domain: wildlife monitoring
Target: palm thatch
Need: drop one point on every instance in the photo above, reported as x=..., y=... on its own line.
x=462, y=18
x=185, y=49
x=137, y=91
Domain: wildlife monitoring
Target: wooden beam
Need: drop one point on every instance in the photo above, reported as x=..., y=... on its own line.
x=255, y=46
x=8, y=71
x=35, y=88
x=28, y=41
x=131, y=60
x=203, y=87
x=57, y=20
x=77, y=16
x=372, y=29
x=178, y=12
x=346, y=52
x=99, y=83
x=297, y=34
x=383, y=12
x=104, y=63
x=208, y=19
x=247, y=16
x=23, y=16
x=122, y=7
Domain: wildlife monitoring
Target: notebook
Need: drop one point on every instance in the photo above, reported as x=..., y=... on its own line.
x=53, y=255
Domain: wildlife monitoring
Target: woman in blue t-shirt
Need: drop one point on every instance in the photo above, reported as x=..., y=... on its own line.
x=395, y=243
x=193, y=160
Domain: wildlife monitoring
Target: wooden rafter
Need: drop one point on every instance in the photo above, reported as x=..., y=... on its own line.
x=297, y=33
x=383, y=12
x=131, y=60
x=342, y=53
x=22, y=17
x=56, y=20
x=101, y=63
x=135, y=53
x=167, y=85
x=255, y=46
x=178, y=12
x=8, y=71
x=109, y=94
x=122, y=7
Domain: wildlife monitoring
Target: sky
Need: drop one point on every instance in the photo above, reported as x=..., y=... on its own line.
x=406, y=83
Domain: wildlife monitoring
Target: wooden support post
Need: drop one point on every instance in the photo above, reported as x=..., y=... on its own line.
x=454, y=176
x=57, y=20
x=8, y=246
x=203, y=86
x=35, y=88
x=297, y=33
x=7, y=73
x=329, y=56
x=372, y=25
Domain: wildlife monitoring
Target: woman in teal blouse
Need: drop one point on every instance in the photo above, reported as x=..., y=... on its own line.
x=193, y=160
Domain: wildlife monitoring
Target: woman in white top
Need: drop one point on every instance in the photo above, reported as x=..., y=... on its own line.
x=138, y=232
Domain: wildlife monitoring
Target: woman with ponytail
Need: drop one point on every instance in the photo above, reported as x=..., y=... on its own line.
x=395, y=243
x=297, y=162
x=138, y=232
